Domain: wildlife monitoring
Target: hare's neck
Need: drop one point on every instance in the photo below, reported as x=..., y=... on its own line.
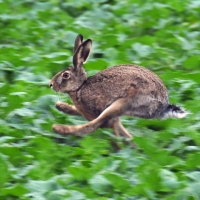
x=75, y=97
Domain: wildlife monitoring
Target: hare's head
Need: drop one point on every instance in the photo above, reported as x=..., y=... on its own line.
x=72, y=78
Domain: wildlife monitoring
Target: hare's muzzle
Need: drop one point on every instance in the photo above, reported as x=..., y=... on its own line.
x=51, y=84
x=54, y=86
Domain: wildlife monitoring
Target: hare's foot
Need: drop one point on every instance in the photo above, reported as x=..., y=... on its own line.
x=71, y=130
x=66, y=108
x=61, y=129
x=113, y=111
x=119, y=129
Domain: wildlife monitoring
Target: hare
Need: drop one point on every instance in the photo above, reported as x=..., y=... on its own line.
x=119, y=90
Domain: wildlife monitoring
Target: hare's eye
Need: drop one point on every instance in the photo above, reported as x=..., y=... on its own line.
x=66, y=75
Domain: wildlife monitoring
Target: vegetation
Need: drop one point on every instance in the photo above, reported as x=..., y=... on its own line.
x=36, y=41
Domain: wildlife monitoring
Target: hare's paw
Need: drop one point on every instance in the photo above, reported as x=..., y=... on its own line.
x=60, y=105
x=61, y=129
x=66, y=108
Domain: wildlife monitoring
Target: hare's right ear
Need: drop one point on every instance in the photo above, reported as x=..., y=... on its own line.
x=78, y=42
x=82, y=53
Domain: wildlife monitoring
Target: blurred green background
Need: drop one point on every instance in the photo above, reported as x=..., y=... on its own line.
x=36, y=41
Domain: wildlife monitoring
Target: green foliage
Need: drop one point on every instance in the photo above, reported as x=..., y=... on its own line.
x=36, y=41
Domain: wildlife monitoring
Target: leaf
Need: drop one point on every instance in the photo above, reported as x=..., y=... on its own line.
x=119, y=183
x=92, y=145
x=186, y=45
x=192, y=161
x=100, y=184
x=4, y=139
x=25, y=112
x=168, y=180
x=58, y=194
x=81, y=172
x=56, y=54
x=193, y=190
x=4, y=171
x=142, y=50
x=18, y=93
x=194, y=175
x=16, y=190
x=76, y=195
x=192, y=61
x=39, y=187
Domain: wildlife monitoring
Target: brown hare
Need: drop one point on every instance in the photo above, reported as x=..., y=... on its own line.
x=120, y=90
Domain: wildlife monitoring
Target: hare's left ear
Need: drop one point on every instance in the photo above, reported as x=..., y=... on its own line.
x=82, y=53
x=78, y=42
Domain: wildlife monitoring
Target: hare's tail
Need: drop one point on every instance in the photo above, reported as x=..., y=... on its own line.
x=174, y=111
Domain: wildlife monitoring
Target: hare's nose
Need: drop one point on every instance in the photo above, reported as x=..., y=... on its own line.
x=50, y=84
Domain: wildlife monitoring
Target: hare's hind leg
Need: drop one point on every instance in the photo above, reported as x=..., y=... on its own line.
x=119, y=129
x=116, y=109
x=66, y=108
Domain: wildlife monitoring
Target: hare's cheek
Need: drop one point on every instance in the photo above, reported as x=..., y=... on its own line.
x=59, y=80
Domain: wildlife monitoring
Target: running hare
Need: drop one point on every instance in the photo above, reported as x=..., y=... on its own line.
x=120, y=90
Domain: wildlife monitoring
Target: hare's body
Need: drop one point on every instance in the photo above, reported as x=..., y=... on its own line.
x=145, y=93
x=121, y=90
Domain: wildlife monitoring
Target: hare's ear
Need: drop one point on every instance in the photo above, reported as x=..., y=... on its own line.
x=78, y=42
x=82, y=53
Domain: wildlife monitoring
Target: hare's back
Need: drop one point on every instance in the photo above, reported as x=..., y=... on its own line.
x=116, y=82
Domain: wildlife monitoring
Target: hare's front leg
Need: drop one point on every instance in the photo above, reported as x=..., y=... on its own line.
x=115, y=110
x=66, y=108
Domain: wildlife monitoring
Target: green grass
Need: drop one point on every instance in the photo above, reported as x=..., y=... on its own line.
x=36, y=41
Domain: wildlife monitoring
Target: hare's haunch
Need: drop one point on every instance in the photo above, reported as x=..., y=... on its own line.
x=120, y=90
